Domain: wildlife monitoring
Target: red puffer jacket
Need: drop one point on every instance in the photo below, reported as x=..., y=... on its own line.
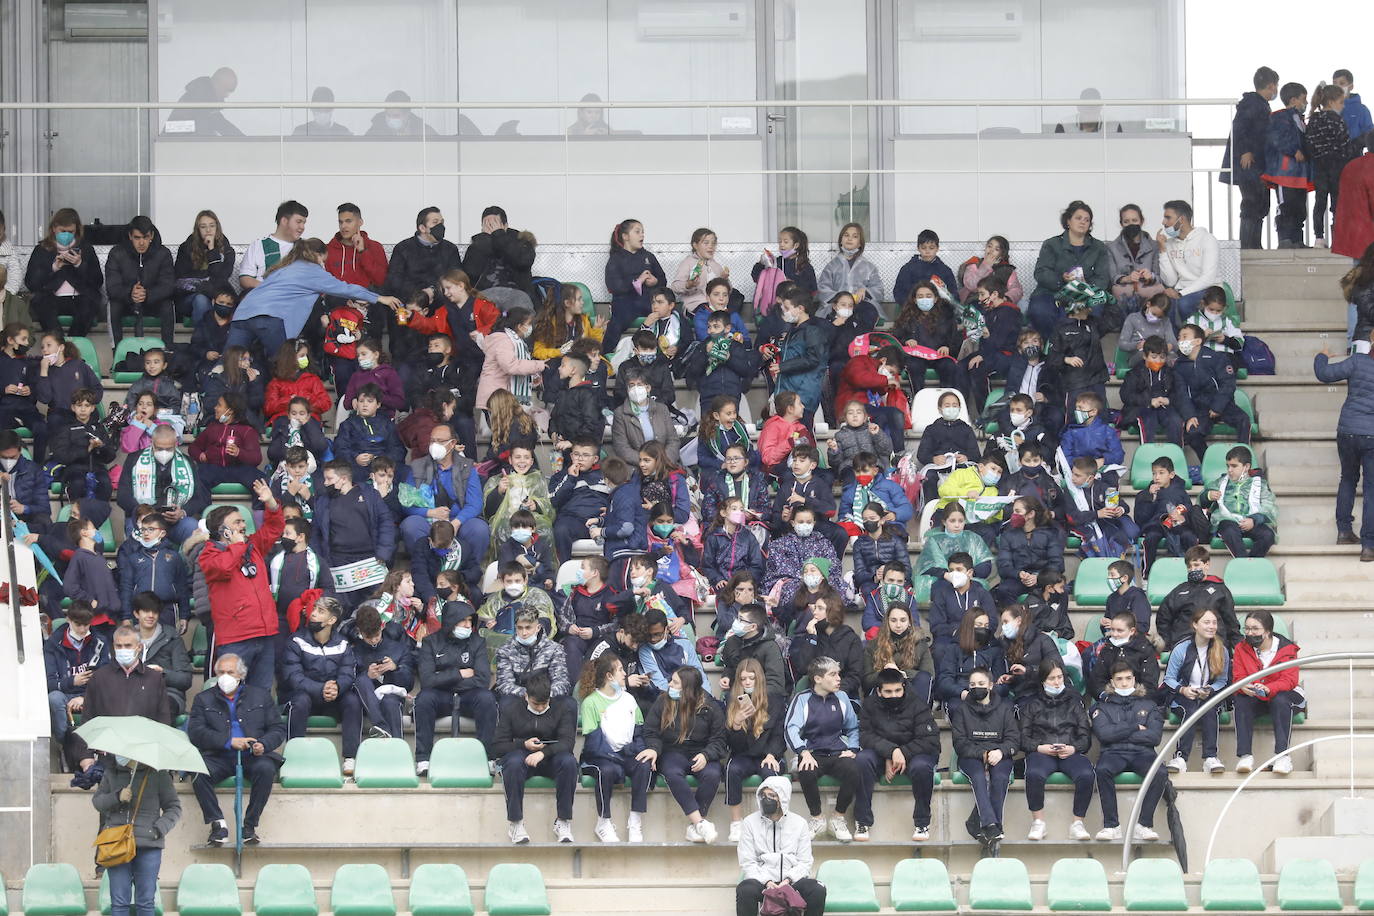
x=306, y=385
x=242, y=607
x=1246, y=662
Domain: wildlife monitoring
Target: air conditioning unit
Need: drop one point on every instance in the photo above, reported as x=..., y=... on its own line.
x=944, y=21
x=104, y=20
x=693, y=19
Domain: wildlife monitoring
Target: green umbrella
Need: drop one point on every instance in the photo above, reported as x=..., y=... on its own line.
x=150, y=743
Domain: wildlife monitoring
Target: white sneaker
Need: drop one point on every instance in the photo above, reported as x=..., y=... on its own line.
x=1143, y=834
x=734, y=830
x=422, y=768
x=707, y=831
x=1245, y=764
x=840, y=830
x=517, y=833
x=693, y=835
x=861, y=833
x=1109, y=835
x=349, y=765
x=1213, y=765
x=1078, y=832
x=605, y=832
x=1178, y=764
x=1037, y=830
x=634, y=828
x=817, y=826
x=562, y=831
x=920, y=834
x=1284, y=765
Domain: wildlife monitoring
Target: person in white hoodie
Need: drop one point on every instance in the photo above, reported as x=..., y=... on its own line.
x=774, y=850
x=1188, y=260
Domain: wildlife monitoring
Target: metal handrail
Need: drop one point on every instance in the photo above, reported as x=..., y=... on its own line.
x=1128, y=828
x=665, y=103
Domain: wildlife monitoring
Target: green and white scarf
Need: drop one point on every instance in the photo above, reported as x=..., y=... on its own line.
x=737, y=489
x=520, y=384
x=145, y=478
x=274, y=568
x=862, y=497
x=717, y=352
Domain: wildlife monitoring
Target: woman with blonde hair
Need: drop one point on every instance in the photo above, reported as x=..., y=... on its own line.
x=754, y=733
x=1199, y=666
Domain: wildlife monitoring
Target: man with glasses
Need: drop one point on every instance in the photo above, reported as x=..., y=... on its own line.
x=147, y=562
x=457, y=494
x=579, y=494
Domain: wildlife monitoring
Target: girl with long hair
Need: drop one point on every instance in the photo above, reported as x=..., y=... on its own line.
x=685, y=733
x=1198, y=667
x=754, y=734
x=613, y=729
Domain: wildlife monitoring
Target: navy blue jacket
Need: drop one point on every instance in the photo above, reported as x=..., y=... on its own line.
x=1142, y=385
x=1048, y=384
x=1117, y=720
x=918, y=271
x=953, y=666
x=871, y=554
x=1206, y=383
x=1019, y=552
x=396, y=646
x=1248, y=128
x=307, y=665
x=622, y=268
x=1152, y=507
x=1004, y=327
x=29, y=484
x=538, y=550
x=714, y=491
x=425, y=564
x=945, y=436
x=209, y=728
x=64, y=662
x=732, y=377
x=819, y=493
x=580, y=496
x=803, y=360
x=1133, y=600
x=947, y=608
x=21, y=371
x=160, y=569
x=383, y=526
x=374, y=434
x=1357, y=411
x=627, y=521
x=724, y=555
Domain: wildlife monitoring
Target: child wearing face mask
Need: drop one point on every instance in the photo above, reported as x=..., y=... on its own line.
x=856, y=436
x=641, y=590
x=882, y=542
x=1030, y=374
x=996, y=350
x=1091, y=436
x=1220, y=333
x=1087, y=511
x=1151, y=321
x=871, y=485
x=846, y=321
x=1032, y=476
x=1148, y=395
x=1049, y=605
x=654, y=366
x=928, y=320
x=803, y=485
x=952, y=536
x=374, y=367
x=1028, y=546
x=1076, y=354
x=729, y=547
x=497, y=615
x=872, y=377
x=1164, y=511
x=974, y=486
x=524, y=545
x=945, y=444
x=296, y=428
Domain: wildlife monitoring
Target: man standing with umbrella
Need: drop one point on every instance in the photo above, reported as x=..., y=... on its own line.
x=125, y=688
x=232, y=723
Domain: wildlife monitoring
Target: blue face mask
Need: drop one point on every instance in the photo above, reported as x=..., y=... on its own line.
x=579, y=577
x=990, y=479
x=739, y=627
x=658, y=646
x=617, y=688
x=1009, y=630
x=1124, y=691
x=674, y=693
x=647, y=358
x=65, y=239
x=527, y=640
x=1171, y=232
x=98, y=538
x=521, y=535
x=462, y=632
x=925, y=303
x=1054, y=690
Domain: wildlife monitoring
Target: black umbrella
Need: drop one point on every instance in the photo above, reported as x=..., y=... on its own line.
x=1176, y=836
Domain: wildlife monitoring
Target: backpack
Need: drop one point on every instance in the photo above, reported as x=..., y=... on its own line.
x=1256, y=356
x=548, y=290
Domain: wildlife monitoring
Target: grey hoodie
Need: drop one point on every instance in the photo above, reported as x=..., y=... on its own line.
x=772, y=850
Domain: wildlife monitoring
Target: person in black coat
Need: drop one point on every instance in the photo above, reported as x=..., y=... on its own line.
x=499, y=258
x=577, y=412
x=1049, y=606
x=1129, y=726
x=1121, y=642
x=952, y=597
x=1055, y=736
x=455, y=677
x=713, y=377
x=140, y=281
x=209, y=340
x=204, y=266
x=81, y=448
x=946, y=436
x=830, y=637
x=633, y=274
x=897, y=736
x=1243, y=160
x=534, y=737
x=1029, y=373
x=64, y=276
x=754, y=734
x=1147, y=396
x=1025, y=649
x=647, y=364
x=684, y=732
x=1076, y=355
x=1027, y=546
x=1162, y=510
x=385, y=660
x=986, y=738
x=235, y=722
x=973, y=648
x=927, y=320
x=419, y=261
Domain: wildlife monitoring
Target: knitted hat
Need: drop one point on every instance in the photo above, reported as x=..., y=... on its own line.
x=820, y=563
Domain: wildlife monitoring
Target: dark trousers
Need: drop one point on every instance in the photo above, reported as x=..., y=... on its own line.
x=844, y=769
x=1292, y=214
x=45, y=307
x=610, y=772
x=260, y=771
x=1007, y=591
x=561, y=767
x=891, y=421
x=749, y=896
x=1231, y=415
x=1254, y=196
x=1153, y=533
x=741, y=768
x=1040, y=767
x=989, y=787
x=1279, y=707
x=258, y=653
x=212, y=475
x=566, y=530
x=674, y=767
x=575, y=650
x=1042, y=312
x=431, y=704
x=384, y=713
x=1357, y=456
x=27, y=415
x=1209, y=726
x=1326, y=176
x=996, y=363
x=1153, y=419
x=164, y=312
x=1261, y=538
x=920, y=769
x=343, y=370
x=1122, y=759
x=347, y=708
x=133, y=885
x=73, y=480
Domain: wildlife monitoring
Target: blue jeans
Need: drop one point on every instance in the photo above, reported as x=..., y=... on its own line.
x=259, y=654
x=195, y=303
x=135, y=883
x=57, y=712
x=1185, y=307
x=266, y=330
x=1357, y=456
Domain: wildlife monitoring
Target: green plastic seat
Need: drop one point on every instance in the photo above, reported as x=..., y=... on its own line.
x=1254, y=581
x=440, y=889
x=208, y=889
x=1078, y=885
x=1214, y=459
x=1164, y=575
x=1147, y=452
x=1364, y=885
x=459, y=763
x=1232, y=884
x=999, y=884
x=922, y=885
x=848, y=886
x=588, y=303
x=311, y=763
x=994, y=395
x=1309, y=884
x=516, y=889
x=284, y=890
x=229, y=489
x=106, y=904
x=106, y=529
x=1090, y=588
x=86, y=347
x=244, y=509
x=1155, y=885
x=132, y=345
x=53, y=890
x=200, y=644
x=385, y=763
x=1244, y=403
x=362, y=889
x=1123, y=362
x=4, y=898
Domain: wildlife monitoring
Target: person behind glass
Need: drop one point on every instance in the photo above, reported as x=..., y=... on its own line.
x=535, y=734
x=1029, y=545
x=898, y=737
x=803, y=355
x=972, y=648
x=454, y=675
x=613, y=728
x=684, y=732
x=995, y=351
x=1198, y=667
x=850, y=272
x=986, y=738
x=946, y=443
x=632, y=275
x=754, y=734
x=1073, y=255
x=140, y=281
x=120, y=800
x=927, y=320
x=397, y=119
x=823, y=731
x=1277, y=695
x=1129, y=726
x=63, y=276
x=900, y=645
x=321, y=123
x=1055, y=737
x=228, y=450
x=1025, y=649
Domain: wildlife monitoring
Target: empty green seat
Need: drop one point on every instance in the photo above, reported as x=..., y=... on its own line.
x=1308, y=884
x=921, y=885
x=440, y=889
x=1164, y=575
x=1254, y=581
x=4, y=898
x=1090, y=587
x=284, y=890
x=1364, y=885
x=1232, y=884
x=1147, y=452
x=459, y=763
x=106, y=904
x=132, y=345
x=1077, y=885
x=53, y=890
x=999, y=884
x=516, y=889
x=362, y=890
x=1155, y=885
x=311, y=763
x=208, y=889
x=385, y=763
x=1122, y=359
x=229, y=489
x=1214, y=459
x=86, y=347
x=848, y=886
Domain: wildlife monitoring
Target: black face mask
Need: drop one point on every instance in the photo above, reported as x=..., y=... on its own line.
x=1130, y=233
x=1255, y=639
x=286, y=544
x=893, y=704
x=315, y=626
x=434, y=360
x=872, y=526
x=980, y=634
x=1196, y=575
x=1030, y=471
x=977, y=694
x=902, y=635
x=437, y=232
x=445, y=593
x=334, y=492
x=224, y=311
x=1030, y=352
x=768, y=805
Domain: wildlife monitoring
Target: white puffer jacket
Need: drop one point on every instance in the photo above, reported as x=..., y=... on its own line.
x=772, y=850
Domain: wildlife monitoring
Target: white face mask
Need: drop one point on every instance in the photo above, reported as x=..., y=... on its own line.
x=639, y=394
x=438, y=452
x=227, y=683
x=1124, y=691
x=958, y=579
x=1020, y=419
x=1118, y=641
x=1186, y=347
x=639, y=581
x=515, y=591
x=844, y=313
x=126, y=657
x=949, y=413
x=164, y=455
x=804, y=529
x=395, y=123
x=812, y=580
x=8, y=463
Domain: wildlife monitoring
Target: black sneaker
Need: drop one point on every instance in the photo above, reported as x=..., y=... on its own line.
x=378, y=732
x=219, y=834
x=250, y=835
